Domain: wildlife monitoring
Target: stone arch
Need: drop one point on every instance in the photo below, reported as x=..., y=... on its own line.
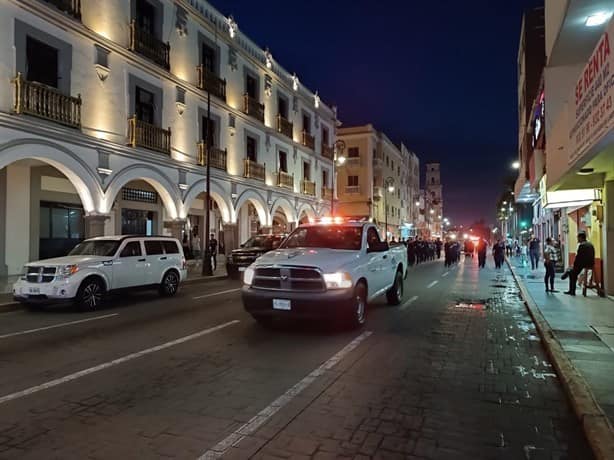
x=306, y=209
x=61, y=158
x=285, y=205
x=168, y=191
x=217, y=193
x=259, y=203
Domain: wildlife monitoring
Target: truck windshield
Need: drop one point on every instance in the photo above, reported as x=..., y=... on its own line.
x=95, y=248
x=325, y=236
x=259, y=242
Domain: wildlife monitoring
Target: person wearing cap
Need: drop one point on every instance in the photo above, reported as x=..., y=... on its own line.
x=585, y=258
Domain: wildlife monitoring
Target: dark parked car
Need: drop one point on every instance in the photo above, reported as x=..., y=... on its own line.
x=239, y=259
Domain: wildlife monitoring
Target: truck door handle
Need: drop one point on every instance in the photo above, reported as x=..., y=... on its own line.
x=141, y=260
x=163, y=258
x=385, y=256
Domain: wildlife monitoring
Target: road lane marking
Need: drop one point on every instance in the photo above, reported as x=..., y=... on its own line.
x=53, y=326
x=265, y=414
x=432, y=284
x=115, y=362
x=445, y=274
x=216, y=293
x=408, y=302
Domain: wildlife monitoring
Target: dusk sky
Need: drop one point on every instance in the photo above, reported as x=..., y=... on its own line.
x=438, y=76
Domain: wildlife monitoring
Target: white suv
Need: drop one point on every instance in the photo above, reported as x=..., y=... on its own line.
x=99, y=265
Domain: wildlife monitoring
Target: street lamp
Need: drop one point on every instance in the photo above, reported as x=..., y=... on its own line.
x=516, y=165
x=389, y=184
x=339, y=159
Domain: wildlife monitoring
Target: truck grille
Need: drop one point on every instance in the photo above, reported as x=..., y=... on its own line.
x=40, y=274
x=288, y=279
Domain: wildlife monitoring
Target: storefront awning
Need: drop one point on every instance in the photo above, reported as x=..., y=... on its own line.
x=570, y=198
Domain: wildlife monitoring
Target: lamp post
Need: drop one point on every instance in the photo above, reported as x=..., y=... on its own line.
x=338, y=158
x=389, y=185
x=207, y=269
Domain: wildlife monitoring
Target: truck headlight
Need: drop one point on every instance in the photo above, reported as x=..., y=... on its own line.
x=248, y=276
x=339, y=280
x=67, y=270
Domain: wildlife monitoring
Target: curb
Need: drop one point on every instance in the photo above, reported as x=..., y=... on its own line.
x=13, y=306
x=597, y=428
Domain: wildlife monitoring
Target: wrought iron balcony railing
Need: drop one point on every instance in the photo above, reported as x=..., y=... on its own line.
x=309, y=140
x=36, y=99
x=217, y=156
x=253, y=108
x=308, y=187
x=352, y=189
x=141, y=134
x=254, y=170
x=284, y=126
x=70, y=7
x=149, y=46
x=327, y=151
x=210, y=82
x=285, y=180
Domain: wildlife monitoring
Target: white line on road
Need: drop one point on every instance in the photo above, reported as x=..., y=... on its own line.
x=432, y=284
x=216, y=293
x=31, y=331
x=445, y=274
x=408, y=303
x=115, y=362
x=259, y=419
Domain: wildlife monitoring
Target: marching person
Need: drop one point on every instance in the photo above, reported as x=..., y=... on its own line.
x=550, y=258
x=482, y=248
x=498, y=252
x=585, y=258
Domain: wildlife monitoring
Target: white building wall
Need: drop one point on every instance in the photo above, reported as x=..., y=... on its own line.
x=17, y=217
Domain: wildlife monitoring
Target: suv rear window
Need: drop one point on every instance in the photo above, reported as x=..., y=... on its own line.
x=153, y=247
x=170, y=247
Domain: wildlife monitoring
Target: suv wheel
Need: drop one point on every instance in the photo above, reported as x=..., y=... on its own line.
x=170, y=284
x=359, y=307
x=395, y=294
x=90, y=295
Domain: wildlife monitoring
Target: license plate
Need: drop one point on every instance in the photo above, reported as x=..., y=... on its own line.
x=281, y=304
x=241, y=269
x=34, y=290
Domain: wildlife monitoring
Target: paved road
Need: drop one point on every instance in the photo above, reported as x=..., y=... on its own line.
x=457, y=371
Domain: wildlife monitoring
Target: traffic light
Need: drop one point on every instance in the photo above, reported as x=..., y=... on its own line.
x=523, y=224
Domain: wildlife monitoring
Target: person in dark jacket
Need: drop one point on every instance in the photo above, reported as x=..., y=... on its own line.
x=585, y=258
x=498, y=252
x=482, y=248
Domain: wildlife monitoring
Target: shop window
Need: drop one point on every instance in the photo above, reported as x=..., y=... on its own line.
x=353, y=152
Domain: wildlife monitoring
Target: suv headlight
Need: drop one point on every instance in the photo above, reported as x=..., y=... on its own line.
x=248, y=276
x=67, y=270
x=338, y=280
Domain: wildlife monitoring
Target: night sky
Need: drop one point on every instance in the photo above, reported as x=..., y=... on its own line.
x=438, y=76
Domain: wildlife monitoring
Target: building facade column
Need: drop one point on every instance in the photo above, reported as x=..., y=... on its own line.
x=177, y=227
x=231, y=237
x=608, y=237
x=94, y=224
x=3, y=201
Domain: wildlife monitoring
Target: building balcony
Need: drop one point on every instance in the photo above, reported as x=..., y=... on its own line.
x=352, y=189
x=308, y=140
x=284, y=126
x=352, y=161
x=308, y=187
x=43, y=101
x=285, y=180
x=148, y=45
x=210, y=82
x=327, y=193
x=253, y=108
x=378, y=161
x=141, y=134
x=378, y=193
x=70, y=7
x=327, y=151
x=254, y=170
x=218, y=157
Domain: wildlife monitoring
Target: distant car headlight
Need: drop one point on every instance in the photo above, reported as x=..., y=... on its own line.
x=338, y=280
x=67, y=270
x=248, y=276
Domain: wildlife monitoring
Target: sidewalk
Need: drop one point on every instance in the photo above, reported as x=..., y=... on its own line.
x=194, y=276
x=584, y=327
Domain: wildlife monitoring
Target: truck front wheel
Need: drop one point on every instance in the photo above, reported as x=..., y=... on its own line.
x=358, y=314
x=394, y=295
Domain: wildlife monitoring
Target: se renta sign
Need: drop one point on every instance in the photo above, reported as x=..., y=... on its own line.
x=593, y=116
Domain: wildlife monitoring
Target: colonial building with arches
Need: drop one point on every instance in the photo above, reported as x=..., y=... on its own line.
x=105, y=126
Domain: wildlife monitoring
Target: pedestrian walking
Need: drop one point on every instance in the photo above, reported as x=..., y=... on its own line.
x=213, y=251
x=196, y=244
x=550, y=258
x=585, y=258
x=524, y=251
x=482, y=248
x=534, y=253
x=498, y=252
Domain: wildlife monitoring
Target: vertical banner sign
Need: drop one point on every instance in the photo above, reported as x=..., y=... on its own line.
x=593, y=116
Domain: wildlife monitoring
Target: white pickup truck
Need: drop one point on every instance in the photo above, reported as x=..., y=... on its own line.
x=323, y=270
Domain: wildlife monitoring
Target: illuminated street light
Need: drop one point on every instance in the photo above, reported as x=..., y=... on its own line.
x=516, y=165
x=432, y=211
